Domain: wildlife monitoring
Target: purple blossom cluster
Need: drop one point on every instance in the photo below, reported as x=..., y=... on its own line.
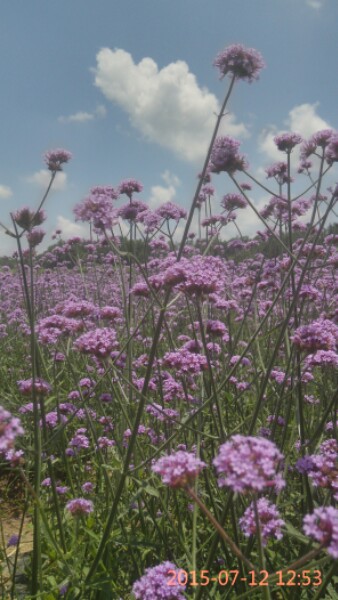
x=323, y=467
x=154, y=584
x=97, y=342
x=80, y=507
x=40, y=386
x=225, y=156
x=54, y=159
x=10, y=428
x=321, y=334
x=27, y=219
x=97, y=209
x=270, y=522
x=179, y=469
x=185, y=362
x=322, y=525
x=239, y=62
x=285, y=142
x=249, y=464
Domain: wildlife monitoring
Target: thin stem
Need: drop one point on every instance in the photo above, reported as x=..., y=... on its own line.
x=220, y=529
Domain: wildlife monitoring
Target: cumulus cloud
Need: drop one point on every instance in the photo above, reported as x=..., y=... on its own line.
x=302, y=119
x=159, y=194
x=70, y=229
x=83, y=117
x=316, y=4
x=166, y=105
x=5, y=192
x=42, y=178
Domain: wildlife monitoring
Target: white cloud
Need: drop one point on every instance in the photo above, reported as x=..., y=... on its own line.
x=42, y=178
x=160, y=194
x=83, y=117
x=316, y=4
x=69, y=228
x=5, y=192
x=166, y=105
x=302, y=119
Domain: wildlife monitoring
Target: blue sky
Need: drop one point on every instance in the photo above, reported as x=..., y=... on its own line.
x=129, y=88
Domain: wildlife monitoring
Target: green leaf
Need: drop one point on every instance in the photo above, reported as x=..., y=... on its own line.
x=151, y=491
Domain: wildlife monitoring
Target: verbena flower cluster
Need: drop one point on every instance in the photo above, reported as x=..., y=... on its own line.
x=322, y=525
x=239, y=62
x=179, y=469
x=10, y=428
x=323, y=467
x=153, y=585
x=225, y=156
x=80, y=507
x=270, y=522
x=54, y=159
x=249, y=464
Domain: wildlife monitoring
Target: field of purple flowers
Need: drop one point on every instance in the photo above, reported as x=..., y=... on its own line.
x=168, y=418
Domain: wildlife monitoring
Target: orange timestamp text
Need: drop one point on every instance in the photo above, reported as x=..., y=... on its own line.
x=288, y=578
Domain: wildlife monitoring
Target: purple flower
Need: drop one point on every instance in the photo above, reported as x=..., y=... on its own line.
x=129, y=186
x=10, y=428
x=13, y=540
x=318, y=335
x=185, y=362
x=331, y=153
x=225, y=157
x=40, y=386
x=87, y=487
x=239, y=62
x=269, y=520
x=169, y=210
x=80, y=506
x=98, y=209
x=35, y=236
x=323, y=358
x=324, y=466
x=132, y=210
x=99, y=342
x=304, y=464
x=26, y=218
x=55, y=158
x=279, y=171
x=233, y=201
x=322, y=525
x=249, y=464
x=285, y=142
x=154, y=584
x=179, y=469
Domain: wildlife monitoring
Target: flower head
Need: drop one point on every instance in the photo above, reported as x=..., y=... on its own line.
x=285, y=142
x=269, y=520
x=98, y=342
x=331, y=153
x=239, y=62
x=35, y=236
x=40, y=386
x=179, y=469
x=10, y=428
x=129, y=186
x=225, y=156
x=154, y=584
x=55, y=158
x=322, y=525
x=249, y=464
x=27, y=218
x=80, y=506
x=233, y=201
